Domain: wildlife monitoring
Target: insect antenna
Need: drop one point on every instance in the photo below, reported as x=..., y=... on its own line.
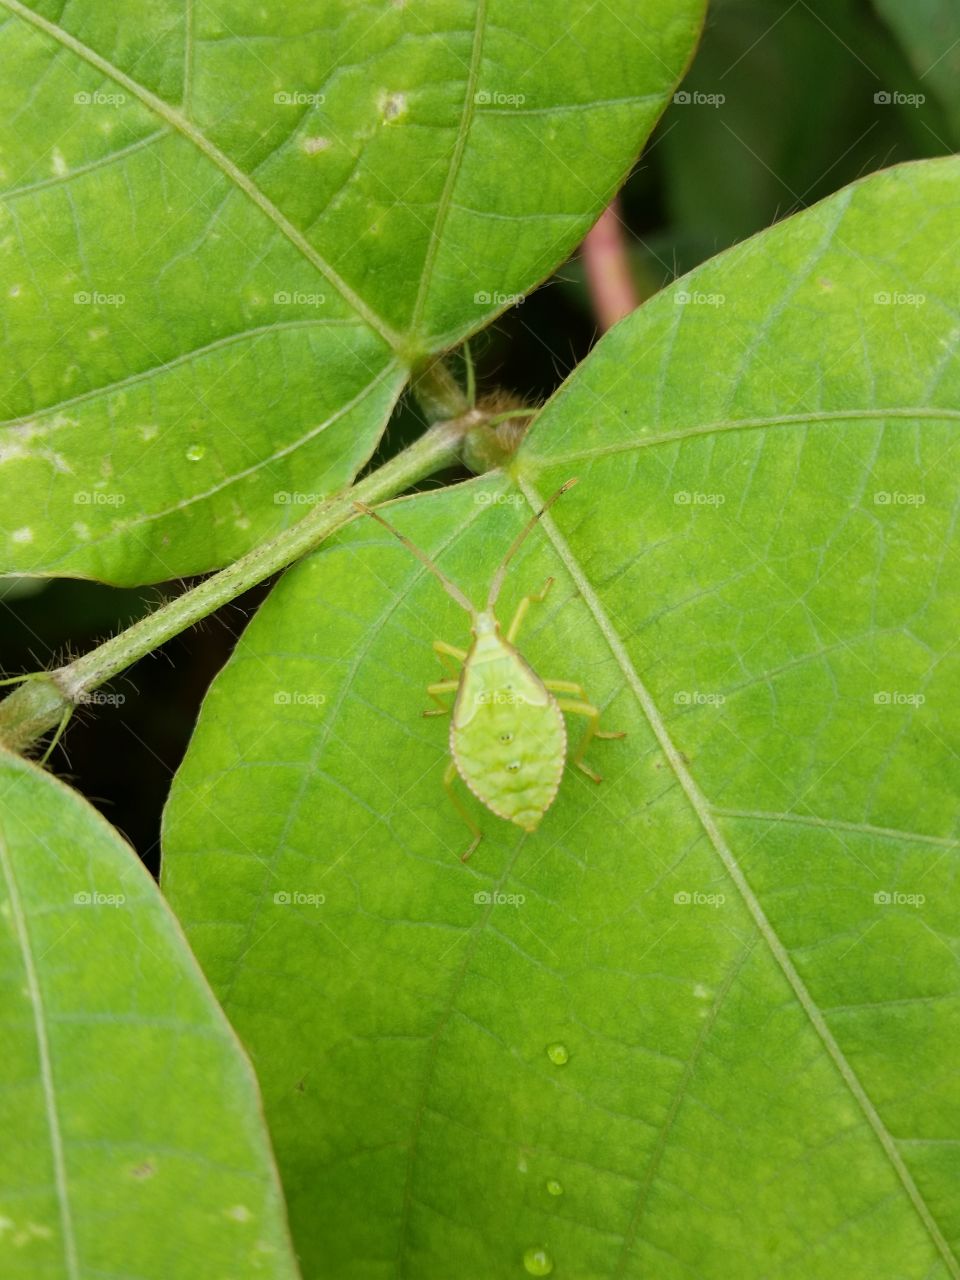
x=519, y=540
x=471, y=372
x=450, y=587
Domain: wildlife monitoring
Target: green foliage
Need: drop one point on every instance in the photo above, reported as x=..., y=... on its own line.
x=238, y=229
x=771, y=79
x=709, y=989
x=137, y=1143
x=929, y=31
x=701, y=1022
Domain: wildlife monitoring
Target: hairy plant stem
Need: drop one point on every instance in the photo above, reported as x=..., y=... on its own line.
x=438, y=392
x=45, y=699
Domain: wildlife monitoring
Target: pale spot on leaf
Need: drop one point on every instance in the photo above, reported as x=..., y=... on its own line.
x=32, y=1231
x=392, y=106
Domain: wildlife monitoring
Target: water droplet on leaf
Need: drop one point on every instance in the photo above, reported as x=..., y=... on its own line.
x=557, y=1053
x=537, y=1262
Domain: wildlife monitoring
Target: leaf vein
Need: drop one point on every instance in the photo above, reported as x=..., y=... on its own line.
x=453, y=172
x=46, y=1066
x=194, y=135
x=813, y=417
x=707, y=820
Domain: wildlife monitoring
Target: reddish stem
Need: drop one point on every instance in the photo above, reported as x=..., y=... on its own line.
x=607, y=263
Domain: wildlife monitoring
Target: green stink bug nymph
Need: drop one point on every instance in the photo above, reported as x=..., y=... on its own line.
x=508, y=739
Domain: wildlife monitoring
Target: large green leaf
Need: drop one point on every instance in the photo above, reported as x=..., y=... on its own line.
x=229, y=231
x=709, y=1027
x=134, y=1143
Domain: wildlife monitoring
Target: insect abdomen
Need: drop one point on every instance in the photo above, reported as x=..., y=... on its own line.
x=508, y=737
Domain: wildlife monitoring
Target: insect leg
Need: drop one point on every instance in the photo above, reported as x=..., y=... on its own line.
x=593, y=729
x=571, y=686
x=522, y=608
x=446, y=653
x=434, y=690
x=64, y=720
x=448, y=778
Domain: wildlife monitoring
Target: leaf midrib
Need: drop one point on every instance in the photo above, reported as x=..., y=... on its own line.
x=453, y=169
x=705, y=817
x=241, y=180
x=71, y=1261
x=30, y=421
